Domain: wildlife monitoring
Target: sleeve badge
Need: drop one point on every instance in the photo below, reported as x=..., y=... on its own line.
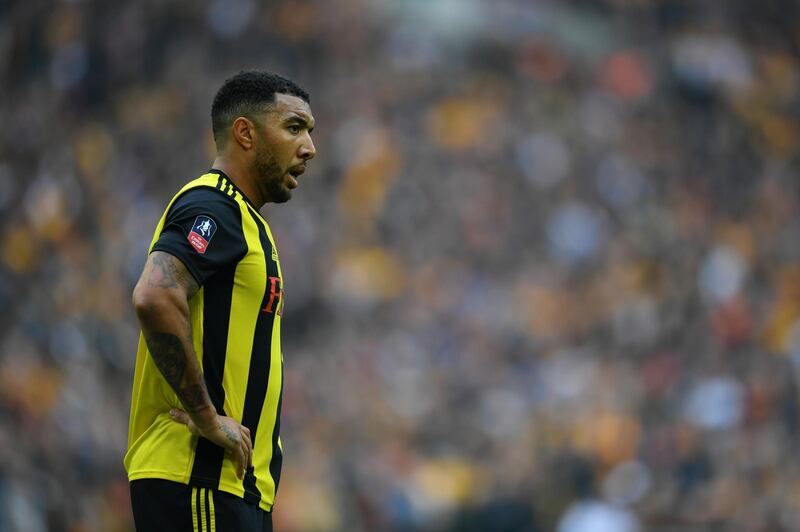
x=202, y=230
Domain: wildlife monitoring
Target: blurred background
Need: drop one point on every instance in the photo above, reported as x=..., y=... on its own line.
x=543, y=275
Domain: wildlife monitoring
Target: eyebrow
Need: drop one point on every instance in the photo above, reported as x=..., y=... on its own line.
x=294, y=117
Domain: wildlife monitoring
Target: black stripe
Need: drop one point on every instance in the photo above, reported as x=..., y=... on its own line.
x=260, y=358
x=208, y=512
x=219, y=182
x=218, y=293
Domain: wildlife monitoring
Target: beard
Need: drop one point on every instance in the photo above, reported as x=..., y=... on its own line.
x=271, y=177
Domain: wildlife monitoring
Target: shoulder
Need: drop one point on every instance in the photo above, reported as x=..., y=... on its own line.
x=203, y=228
x=205, y=200
x=207, y=195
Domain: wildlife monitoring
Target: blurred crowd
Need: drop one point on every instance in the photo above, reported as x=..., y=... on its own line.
x=543, y=275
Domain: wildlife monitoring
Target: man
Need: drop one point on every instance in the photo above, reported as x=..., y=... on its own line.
x=203, y=447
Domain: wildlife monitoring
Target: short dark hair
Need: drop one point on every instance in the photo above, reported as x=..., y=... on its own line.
x=247, y=93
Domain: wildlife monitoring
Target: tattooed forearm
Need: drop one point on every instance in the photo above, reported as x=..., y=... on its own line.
x=170, y=358
x=194, y=397
x=166, y=271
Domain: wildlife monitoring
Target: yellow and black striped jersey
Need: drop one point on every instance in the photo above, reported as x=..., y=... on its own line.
x=236, y=321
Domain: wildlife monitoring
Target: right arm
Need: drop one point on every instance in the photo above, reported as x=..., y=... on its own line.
x=161, y=299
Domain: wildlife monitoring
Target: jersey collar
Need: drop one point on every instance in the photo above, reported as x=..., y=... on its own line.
x=229, y=180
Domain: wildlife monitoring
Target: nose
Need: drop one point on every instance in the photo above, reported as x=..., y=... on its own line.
x=307, y=150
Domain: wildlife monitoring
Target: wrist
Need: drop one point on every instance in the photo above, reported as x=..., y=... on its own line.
x=204, y=417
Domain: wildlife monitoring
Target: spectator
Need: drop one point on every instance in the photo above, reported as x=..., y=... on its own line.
x=536, y=235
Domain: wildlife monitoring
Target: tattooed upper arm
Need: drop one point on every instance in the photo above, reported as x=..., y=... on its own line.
x=163, y=270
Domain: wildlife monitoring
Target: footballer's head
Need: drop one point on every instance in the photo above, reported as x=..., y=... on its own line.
x=249, y=93
x=266, y=121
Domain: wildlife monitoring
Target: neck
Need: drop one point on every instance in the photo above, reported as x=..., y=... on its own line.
x=242, y=178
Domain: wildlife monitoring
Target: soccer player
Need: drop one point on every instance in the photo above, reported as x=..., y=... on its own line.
x=204, y=452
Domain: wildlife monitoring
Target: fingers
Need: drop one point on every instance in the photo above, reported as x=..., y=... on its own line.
x=179, y=415
x=239, y=443
x=246, y=455
x=248, y=445
x=240, y=460
x=182, y=417
x=243, y=455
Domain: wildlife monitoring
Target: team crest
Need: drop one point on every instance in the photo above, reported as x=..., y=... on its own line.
x=202, y=231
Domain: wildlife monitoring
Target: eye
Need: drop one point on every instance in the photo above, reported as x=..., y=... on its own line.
x=294, y=129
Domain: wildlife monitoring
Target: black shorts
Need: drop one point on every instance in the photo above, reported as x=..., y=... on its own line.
x=162, y=505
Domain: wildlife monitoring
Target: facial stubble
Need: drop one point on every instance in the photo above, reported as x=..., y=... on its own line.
x=271, y=176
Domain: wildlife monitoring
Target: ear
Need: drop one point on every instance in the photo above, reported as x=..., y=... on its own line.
x=243, y=132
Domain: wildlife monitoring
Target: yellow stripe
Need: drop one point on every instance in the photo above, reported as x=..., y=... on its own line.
x=204, y=525
x=196, y=308
x=194, y=510
x=249, y=285
x=213, y=517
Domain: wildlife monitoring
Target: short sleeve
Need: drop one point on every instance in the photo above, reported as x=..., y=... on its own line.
x=203, y=229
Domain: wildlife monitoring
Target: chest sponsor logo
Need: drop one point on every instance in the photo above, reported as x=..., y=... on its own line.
x=202, y=231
